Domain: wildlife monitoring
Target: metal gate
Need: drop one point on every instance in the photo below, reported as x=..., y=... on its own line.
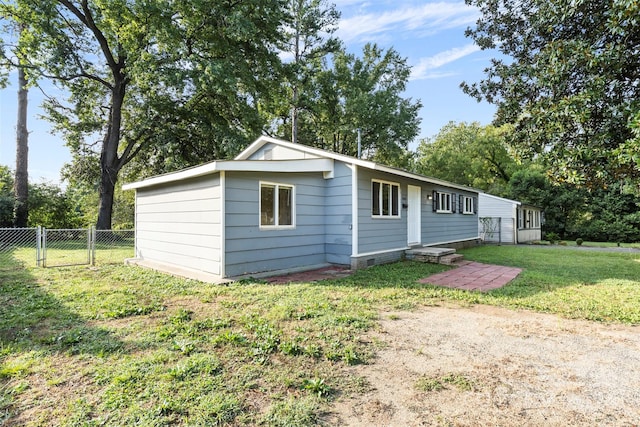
x=62, y=247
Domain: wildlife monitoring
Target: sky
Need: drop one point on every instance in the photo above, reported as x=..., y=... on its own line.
x=429, y=34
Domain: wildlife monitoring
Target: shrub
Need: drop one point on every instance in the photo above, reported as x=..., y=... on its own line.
x=552, y=237
x=579, y=241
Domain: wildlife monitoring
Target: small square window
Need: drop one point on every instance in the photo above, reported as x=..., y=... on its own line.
x=276, y=205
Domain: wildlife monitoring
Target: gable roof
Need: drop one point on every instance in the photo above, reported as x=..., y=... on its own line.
x=263, y=140
x=321, y=161
x=502, y=199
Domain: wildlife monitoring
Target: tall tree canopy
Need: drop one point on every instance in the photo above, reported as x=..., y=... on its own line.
x=146, y=77
x=570, y=83
x=364, y=93
x=309, y=39
x=468, y=154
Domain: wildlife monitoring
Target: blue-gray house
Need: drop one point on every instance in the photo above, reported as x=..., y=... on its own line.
x=280, y=206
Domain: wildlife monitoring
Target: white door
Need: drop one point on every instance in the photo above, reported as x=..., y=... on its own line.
x=413, y=215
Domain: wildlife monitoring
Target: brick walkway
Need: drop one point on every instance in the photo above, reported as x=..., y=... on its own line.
x=474, y=276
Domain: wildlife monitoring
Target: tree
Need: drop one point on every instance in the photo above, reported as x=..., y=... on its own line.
x=468, y=154
x=365, y=94
x=21, y=182
x=7, y=199
x=132, y=68
x=307, y=43
x=569, y=84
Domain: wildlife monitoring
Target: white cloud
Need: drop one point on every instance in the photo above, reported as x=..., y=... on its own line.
x=423, y=69
x=428, y=18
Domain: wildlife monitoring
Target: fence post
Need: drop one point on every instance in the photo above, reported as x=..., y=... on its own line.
x=38, y=244
x=44, y=247
x=92, y=245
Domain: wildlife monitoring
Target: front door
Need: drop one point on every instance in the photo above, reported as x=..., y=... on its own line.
x=414, y=235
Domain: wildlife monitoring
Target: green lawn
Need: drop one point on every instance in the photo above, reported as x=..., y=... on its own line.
x=117, y=345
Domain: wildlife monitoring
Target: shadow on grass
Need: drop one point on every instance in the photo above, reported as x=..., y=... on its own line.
x=33, y=319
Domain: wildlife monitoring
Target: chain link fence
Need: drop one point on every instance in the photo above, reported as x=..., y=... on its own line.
x=18, y=246
x=490, y=229
x=60, y=247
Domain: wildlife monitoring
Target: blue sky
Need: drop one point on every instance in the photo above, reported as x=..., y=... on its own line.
x=430, y=34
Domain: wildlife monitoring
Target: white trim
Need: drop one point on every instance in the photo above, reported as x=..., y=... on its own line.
x=491, y=196
x=323, y=164
x=404, y=248
x=464, y=205
x=398, y=206
x=276, y=213
x=354, y=209
x=223, y=222
x=439, y=194
x=258, y=143
x=300, y=165
x=451, y=241
x=417, y=220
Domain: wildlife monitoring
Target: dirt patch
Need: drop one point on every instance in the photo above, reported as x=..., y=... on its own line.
x=491, y=366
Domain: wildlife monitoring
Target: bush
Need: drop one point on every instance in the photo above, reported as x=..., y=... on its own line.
x=552, y=237
x=579, y=241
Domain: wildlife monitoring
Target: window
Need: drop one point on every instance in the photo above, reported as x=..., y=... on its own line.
x=385, y=199
x=520, y=218
x=468, y=205
x=444, y=203
x=276, y=205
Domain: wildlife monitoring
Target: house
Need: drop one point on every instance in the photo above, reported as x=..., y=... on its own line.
x=507, y=221
x=280, y=206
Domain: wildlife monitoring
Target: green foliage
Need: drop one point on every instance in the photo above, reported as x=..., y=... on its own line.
x=579, y=241
x=317, y=386
x=6, y=197
x=569, y=83
x=174, y=82
x=347, y=93
x=468, y=154
x=552, y=237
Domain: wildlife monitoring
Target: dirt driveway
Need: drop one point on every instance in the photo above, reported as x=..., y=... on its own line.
x=488, y=366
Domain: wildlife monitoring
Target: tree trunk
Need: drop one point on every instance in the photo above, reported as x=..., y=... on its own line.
x=109, y=161
x=294, y=116
x=21, y=182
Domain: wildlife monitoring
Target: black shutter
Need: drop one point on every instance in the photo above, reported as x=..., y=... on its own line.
x=434, y=199
x=453, y=202
x=461, y=203
x=475, y=205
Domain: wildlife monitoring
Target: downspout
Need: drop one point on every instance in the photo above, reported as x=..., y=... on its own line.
x=354, y=210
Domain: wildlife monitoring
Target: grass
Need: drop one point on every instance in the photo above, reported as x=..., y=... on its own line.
x=122, y=345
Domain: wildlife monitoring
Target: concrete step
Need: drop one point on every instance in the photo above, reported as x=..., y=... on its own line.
x=451, y=259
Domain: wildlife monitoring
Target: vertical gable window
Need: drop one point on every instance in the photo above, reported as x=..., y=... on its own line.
x=468, y=205
x=276, y=205
x=385, y=199
x=444, y=203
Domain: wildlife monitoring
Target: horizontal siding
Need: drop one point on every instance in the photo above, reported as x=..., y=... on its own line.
x=250, y=249
x=179, y=224
x=338, y=221
x=377, y=234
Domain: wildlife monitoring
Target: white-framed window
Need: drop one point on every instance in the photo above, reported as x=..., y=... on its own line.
x=468, y=205
x=385, y=199
x=277, y=207
x=445, y=203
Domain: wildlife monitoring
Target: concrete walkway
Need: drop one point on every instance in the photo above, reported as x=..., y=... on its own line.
x=474, y=276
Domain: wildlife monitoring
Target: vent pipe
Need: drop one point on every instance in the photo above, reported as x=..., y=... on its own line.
x=359, y=144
